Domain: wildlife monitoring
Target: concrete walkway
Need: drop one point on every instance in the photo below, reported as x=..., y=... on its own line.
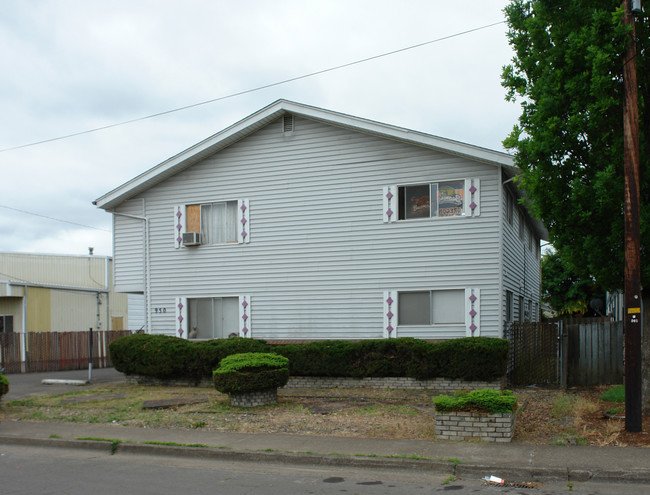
x=514, y=462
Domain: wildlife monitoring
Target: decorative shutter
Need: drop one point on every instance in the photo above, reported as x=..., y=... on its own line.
x=472, y=195
x=244, y=221
x=179, y=225
x=245, y=316
x=390, y=314
x=472, y=312
x=182, y=329
x=390, y=204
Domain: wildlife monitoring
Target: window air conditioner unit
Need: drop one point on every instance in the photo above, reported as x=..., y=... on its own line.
x=191, y=238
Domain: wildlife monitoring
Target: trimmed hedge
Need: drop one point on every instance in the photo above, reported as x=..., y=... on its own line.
x=162, y=356
x=471, y=358
x=4, y=385
x=251, y=372
x=482, y=400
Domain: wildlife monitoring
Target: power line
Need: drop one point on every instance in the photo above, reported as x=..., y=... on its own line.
x=52, y=218
x=247, y=91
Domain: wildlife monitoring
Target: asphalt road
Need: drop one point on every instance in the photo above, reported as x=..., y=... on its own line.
x=40, y=470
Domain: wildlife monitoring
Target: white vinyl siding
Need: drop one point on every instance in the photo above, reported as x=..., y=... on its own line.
x=129, y=247
x=521, y=265
x=322, y=257
x=136, y=312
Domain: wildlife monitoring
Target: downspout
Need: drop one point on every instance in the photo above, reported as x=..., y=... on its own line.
x=502, y=294
x=147, y=268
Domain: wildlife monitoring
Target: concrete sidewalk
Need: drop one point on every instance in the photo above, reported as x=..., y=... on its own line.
x=514, y=462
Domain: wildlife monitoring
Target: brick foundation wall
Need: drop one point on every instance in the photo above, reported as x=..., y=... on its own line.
x=460, y=425
x=435, y=385
x=254, y=399
x=438, y=385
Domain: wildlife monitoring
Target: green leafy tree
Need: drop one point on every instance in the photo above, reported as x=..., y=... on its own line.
x=567, y=73
x=566, y=292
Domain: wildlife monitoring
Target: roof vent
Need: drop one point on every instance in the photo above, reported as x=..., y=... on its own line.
x=287, y=123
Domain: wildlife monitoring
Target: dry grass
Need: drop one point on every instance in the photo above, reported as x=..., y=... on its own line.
x=544, y=416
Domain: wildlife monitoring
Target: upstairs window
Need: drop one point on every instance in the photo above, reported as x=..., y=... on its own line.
x=453, y=198
x=219, y=222
x=439, y=199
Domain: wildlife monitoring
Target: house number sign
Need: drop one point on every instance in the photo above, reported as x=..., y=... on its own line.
x=159, y=310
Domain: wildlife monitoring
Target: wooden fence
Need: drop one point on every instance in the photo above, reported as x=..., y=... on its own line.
x=595, y=353
x=582, y=352
x=55, y=351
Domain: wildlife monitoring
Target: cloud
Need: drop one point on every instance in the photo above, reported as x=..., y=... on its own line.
x=82, y=64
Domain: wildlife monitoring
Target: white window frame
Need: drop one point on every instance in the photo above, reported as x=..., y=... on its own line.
x=241, y=222
x=182, y=322
x=393, y=211
x=431, y=317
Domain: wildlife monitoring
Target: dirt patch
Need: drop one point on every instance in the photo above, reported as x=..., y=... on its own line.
x=576, y=417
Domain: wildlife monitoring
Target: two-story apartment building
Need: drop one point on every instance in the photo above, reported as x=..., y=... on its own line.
x=299, y=223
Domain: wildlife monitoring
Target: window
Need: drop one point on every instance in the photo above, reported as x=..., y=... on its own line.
x=510, y=303
x=440, y=199
x=6, y=323
x=438, y=307
x=521, y=309
x=213, y=317
x=219, y=222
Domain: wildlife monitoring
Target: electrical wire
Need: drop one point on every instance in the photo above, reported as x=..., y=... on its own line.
x=247, y=91
x=55, y=219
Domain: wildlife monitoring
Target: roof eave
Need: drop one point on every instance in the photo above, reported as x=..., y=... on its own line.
x=266, y=115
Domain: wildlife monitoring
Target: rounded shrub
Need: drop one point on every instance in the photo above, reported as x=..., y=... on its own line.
x=251, y=372
x=4, y=385
x=481, y=400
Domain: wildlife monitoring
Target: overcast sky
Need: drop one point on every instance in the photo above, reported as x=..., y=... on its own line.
x=70, y=66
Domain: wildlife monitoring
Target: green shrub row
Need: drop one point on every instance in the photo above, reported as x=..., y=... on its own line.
x=4, y=385
x=472, y=358
x=483, y=400
x=251, y=372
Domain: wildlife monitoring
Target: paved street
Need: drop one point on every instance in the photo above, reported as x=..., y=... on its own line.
x=42, y=470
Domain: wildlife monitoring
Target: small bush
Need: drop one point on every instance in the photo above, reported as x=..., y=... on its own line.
x=4, y=385
x=482, y=400
x=251, y=372
x=615, y=394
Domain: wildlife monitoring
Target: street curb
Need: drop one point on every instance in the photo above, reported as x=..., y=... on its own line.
x=458, y=469
x=225, y=453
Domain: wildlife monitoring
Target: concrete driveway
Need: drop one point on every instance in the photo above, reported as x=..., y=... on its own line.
x=23, y=385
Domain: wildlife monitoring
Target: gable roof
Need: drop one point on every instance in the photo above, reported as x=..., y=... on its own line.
x=268, y=114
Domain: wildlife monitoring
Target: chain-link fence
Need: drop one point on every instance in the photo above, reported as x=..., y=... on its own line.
x=534, y=357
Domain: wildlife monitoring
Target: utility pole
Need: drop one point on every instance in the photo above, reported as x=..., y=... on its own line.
x=633, y=375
